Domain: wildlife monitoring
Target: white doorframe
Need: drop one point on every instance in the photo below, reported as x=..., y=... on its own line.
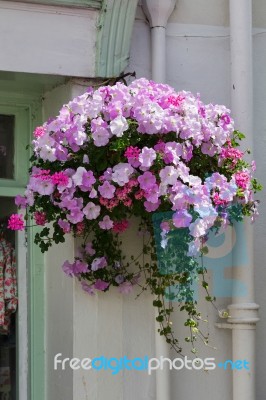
x=22, y=318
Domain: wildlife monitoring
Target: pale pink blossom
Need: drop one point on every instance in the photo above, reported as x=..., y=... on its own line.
x=121, y=173
x=107, y=190
x=106, y=223
x=91, y=211
x=147, y=157
x=118, y=126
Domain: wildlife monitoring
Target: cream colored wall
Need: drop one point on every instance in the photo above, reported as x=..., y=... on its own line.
x=47, y=39
x=260, y=226
x=202, y=12
x=259, y=13
x=59, y=325
x=198, y=59
x=114, y=325
x=214, y=12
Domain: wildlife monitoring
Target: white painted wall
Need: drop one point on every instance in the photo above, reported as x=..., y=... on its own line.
x=260, y=227
x=198, y=59
x=47, y=39
x=114, y=325
x=202, y=12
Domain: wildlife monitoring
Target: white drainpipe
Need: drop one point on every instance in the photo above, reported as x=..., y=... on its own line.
x=243, y=311
x=158, y=13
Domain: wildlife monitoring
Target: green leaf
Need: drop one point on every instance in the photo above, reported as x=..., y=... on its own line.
x=157, y=303
x=45, y=232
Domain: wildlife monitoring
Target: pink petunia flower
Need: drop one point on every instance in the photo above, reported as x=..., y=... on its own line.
x=88, y=288
x=150, y=207
x=125, y=287
x=118, y=126
x=107, y=190
x=98, y=263
x=91, y=210
x=64, y=225
x=121, y=173
x=147, y=180
x=182, y=219
x=21, y=201
x=101, y=285
x=106, y=223
x=146, y=157
x=89, y=249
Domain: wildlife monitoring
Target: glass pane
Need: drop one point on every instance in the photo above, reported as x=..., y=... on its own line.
x=8, y=304
x=7, y=146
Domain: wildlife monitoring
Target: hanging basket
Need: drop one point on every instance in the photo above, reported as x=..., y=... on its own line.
x=144, y=151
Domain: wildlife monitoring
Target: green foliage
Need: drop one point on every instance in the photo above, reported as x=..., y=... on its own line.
x=256, y=186
x=237, y=136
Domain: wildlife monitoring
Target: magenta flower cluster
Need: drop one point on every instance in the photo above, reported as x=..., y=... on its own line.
x=161, y=149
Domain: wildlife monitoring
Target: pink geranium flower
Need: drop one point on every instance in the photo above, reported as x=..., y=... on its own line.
x=40, y=218
x=242, y=179
x=60, y=178
x=16, y=222
x=39, y=131
x=120, y=226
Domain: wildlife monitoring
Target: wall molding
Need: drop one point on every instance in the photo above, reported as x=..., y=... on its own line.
x=49, y=7
x=115, y=27
x=96, y=4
